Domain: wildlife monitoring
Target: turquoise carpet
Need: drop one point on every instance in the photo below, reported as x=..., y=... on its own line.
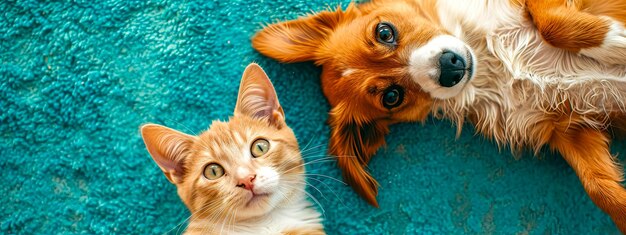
x=77, y=78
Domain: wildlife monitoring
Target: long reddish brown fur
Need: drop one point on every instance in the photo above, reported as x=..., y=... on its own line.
x=573, y=26
x=359, y=126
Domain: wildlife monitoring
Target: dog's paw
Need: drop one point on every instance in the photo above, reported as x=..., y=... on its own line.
x=613, y=49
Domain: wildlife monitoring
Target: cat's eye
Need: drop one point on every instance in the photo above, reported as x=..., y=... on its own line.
x=386, y=33
x=259, y=147
x=213, y=171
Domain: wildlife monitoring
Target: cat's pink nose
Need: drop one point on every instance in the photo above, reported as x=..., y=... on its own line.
x=247, y=182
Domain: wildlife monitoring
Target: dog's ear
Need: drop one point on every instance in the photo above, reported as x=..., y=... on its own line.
x=299, y=40
x=354, y=142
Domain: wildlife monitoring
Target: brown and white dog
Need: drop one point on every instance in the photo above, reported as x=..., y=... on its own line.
x=526, y=73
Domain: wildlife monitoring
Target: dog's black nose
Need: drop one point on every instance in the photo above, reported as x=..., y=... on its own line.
x=452, y=68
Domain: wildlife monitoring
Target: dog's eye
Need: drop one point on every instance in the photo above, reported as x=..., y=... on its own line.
x=392, y=97
x=385, y=33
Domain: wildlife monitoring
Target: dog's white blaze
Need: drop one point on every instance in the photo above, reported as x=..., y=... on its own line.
x=347, y=72
x=424, y=65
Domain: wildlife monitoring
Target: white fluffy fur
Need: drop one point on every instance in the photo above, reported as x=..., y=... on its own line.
x=613, y=49
x=519, y=77
x=296, y=213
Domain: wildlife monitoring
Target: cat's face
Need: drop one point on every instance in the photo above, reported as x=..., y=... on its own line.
x=245, y=166
x=237, y=169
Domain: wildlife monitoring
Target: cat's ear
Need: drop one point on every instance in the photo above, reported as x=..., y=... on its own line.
x=257, y=97
x=168, y=148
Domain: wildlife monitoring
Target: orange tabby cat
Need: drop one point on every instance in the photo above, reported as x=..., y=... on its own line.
x=244, y=176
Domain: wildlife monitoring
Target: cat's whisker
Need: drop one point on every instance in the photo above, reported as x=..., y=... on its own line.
x=221, y=216
x=180, y=225
x=331, y=190
x=228, y=214
x=304, y=151
x=326, y=176
x=225, y=221
x=322, y=182
x=289, y=199
x=313, y=174
x=323, y=195
x=297, y=156
x=303, y=158
x=307, y=145
x=320, y=160
x=203, y=211
x=313, y=198
x=328, y=156
x=231, y=219
x=232, y=224
x=214, y=216
x=309, y=163
x=321, y=156
x=320, y=152
x=318, y=190
x=316, y=156
x=290, y=160
x=307, y=148
x=226, y=225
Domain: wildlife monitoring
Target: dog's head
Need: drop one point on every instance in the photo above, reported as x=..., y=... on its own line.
x=383, y=62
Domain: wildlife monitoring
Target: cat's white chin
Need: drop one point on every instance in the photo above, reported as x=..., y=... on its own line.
x=256, y=204
x=268, y=194
x=257, y=200
x=263, y=202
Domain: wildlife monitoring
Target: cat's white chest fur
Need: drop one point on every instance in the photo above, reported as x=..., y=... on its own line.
x=295, y=215
x=298, y=215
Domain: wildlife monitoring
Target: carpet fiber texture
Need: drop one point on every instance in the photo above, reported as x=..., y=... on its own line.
x=77, y=79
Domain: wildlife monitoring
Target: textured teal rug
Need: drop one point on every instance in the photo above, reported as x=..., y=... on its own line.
x=77, y=78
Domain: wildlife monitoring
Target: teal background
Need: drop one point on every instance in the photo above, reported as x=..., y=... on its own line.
x=77, y=79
